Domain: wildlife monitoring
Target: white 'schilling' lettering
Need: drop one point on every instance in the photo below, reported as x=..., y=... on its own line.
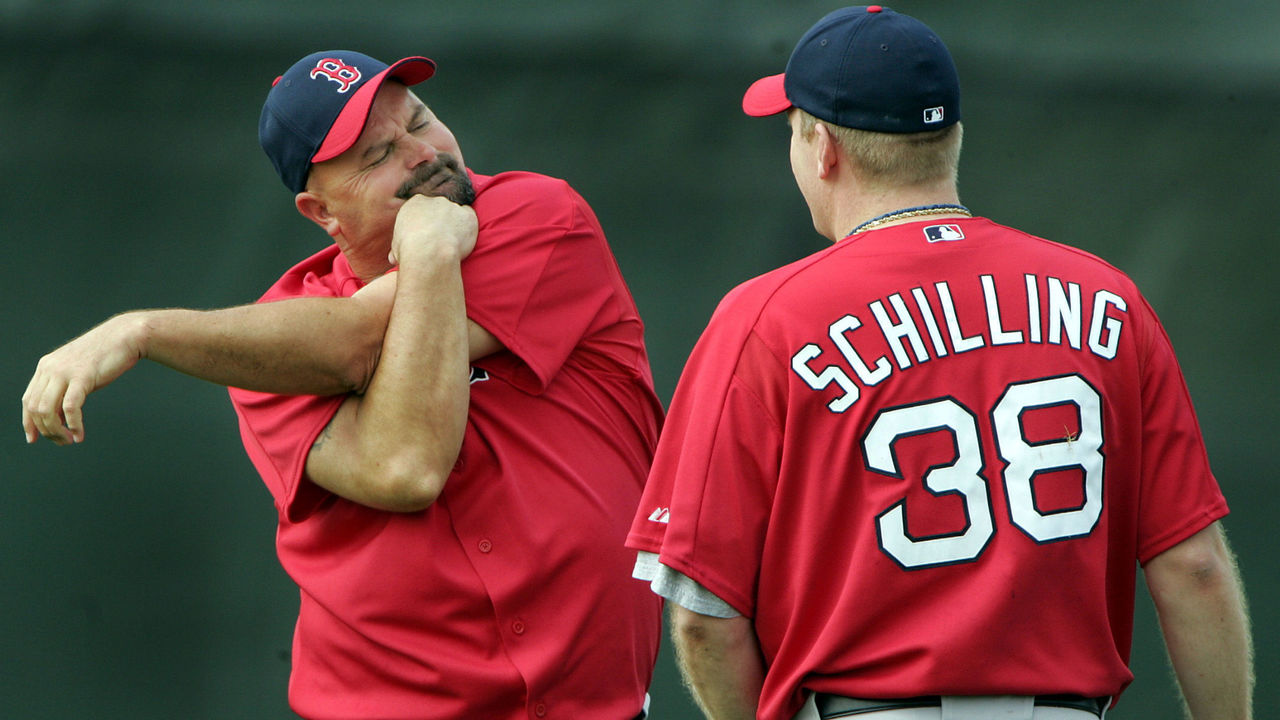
x=1059, y=315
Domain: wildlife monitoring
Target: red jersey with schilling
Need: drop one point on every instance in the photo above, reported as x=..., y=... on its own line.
x=965, y=433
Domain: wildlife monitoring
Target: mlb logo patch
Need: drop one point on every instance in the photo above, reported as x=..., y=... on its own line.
x=943, y=233
x=933, y=115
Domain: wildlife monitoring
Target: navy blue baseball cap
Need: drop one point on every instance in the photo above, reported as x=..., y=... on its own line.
x=318, y=108
x=865, y=67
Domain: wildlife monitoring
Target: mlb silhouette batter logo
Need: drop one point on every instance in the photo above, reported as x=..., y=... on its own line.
x=943, y=233
x=336, y=70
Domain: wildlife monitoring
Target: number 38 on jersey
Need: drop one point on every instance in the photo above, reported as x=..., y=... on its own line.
x=1078, y=450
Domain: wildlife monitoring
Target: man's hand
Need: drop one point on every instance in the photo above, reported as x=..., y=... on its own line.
x=53, y=404
x=426, y=224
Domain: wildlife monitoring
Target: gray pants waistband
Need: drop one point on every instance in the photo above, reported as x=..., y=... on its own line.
x=838, y=706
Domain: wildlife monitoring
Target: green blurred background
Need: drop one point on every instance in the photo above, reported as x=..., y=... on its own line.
x=139, y=574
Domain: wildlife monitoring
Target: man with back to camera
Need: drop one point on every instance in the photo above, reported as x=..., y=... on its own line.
x=909, y=476
x=455, y=517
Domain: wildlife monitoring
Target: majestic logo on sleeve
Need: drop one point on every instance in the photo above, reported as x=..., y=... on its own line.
x=660, y=515
x=336, y=70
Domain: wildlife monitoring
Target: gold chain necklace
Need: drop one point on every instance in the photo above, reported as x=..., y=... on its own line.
x=945, y=209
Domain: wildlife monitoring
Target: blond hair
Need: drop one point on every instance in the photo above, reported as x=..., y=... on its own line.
x=896, y=159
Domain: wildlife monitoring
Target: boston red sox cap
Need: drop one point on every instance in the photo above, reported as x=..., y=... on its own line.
x=318, y=108
x=865, y=67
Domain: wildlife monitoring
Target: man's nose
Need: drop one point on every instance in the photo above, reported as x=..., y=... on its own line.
x=420, y=151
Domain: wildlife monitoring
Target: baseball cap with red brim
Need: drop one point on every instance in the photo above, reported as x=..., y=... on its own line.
x=865, y=67
x=318, y=108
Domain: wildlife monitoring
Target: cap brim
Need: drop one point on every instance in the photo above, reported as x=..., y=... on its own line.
x=766, y=96
x=347, y=127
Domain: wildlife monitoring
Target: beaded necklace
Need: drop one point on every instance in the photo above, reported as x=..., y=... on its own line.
x=943, y=209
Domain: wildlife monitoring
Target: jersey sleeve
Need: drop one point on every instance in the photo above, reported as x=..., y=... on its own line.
x=1180, y=495
x=278, y=432
x=540, y=278
x=710, y=492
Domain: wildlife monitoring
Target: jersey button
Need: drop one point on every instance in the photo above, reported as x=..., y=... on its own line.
x=540, y=709
x=485, y=546
x=517, y=627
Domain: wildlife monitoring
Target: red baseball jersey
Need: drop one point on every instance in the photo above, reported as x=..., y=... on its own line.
x=925, y=461
x=509, y=597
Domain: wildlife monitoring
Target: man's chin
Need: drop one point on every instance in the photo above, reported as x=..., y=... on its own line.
x=457, y=189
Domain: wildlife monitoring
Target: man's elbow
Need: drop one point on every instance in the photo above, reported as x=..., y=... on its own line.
x=410, y=490
x=689, y=627
x=1202, y=563
x=694, y=631
x=408, y=484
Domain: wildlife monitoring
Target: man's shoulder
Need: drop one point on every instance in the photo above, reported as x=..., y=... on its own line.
x=324, y=274
x=753, y=297
x=1035, y=245
x=533, y=197
x=514, y=181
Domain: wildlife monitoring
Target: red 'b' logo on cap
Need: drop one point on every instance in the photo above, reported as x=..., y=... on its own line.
x=337, y=71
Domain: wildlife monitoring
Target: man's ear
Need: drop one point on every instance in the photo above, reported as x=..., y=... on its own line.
x=827, y=148
x=314, y=209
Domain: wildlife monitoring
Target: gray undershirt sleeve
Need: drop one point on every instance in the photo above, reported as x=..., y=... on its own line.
x=680, y=588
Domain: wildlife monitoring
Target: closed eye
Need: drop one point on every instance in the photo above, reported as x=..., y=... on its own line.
x=418, y=122
x=386, y=153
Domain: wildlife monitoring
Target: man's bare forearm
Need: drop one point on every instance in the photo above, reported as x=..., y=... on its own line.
x=413, y=417
x=318, y=346
x=394, y=447
x=720, y=661
x=1200, y=601
x=314, y=346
